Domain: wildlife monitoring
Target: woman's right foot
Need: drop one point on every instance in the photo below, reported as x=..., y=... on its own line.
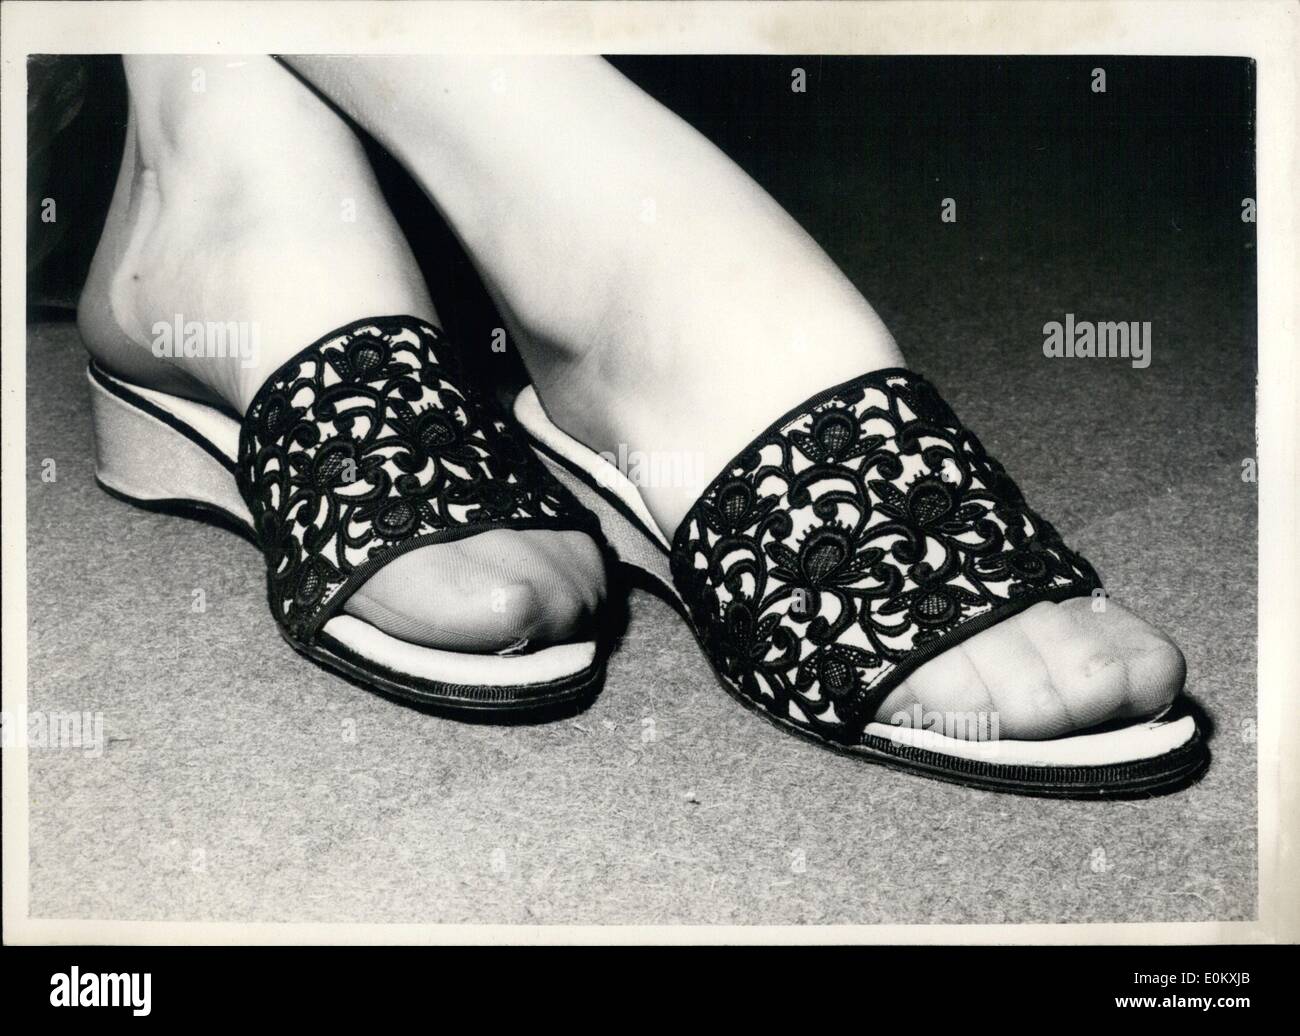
x=249, y=201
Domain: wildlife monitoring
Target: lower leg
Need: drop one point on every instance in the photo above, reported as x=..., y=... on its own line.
x=641, y=271
x=247, y=198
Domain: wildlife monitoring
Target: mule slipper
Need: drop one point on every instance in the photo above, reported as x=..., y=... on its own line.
x=863, y=533
x=367, y=444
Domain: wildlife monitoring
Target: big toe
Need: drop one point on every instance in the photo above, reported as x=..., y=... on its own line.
x=1050, y=670
x=1103, y=665
x=497, y=591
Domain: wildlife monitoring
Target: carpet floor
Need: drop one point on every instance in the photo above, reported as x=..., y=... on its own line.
x=241, y=783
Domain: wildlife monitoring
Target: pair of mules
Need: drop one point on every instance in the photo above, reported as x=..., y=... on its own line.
x=859, y=535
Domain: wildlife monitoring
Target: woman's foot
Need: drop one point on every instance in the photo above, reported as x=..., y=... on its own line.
x=668, y=308
x=249, y=201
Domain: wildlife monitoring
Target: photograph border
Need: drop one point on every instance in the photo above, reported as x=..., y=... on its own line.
x=1266, y=32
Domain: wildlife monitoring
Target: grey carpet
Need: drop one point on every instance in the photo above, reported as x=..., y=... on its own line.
x=242, y=783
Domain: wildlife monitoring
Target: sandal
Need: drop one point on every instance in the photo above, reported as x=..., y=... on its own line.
x=860, y=535
x=366, y=445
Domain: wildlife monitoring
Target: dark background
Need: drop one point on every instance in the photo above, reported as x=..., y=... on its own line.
x=1145, y=177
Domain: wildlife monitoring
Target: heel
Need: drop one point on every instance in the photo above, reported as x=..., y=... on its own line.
x=147, y=454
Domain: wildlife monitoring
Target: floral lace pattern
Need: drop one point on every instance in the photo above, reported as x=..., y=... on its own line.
x=855, y=539
x=369, y=443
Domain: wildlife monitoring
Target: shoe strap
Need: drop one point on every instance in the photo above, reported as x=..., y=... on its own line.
x=860, y=535
x=372, y=442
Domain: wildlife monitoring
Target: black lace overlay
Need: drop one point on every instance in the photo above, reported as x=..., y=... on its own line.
x=370, y=443
x=855, y=539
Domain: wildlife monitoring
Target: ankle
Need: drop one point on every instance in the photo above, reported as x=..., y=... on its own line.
x=206, y=226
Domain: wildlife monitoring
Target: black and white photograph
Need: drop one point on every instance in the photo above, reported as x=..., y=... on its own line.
x=618, y=485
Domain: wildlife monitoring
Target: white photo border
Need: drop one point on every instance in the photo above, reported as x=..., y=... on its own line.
x=1267, y=32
